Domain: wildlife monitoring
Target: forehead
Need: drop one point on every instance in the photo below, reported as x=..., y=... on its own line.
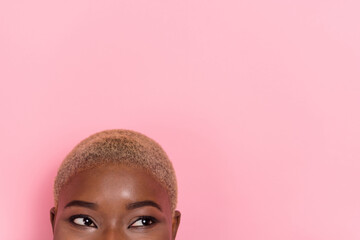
x=114, y=186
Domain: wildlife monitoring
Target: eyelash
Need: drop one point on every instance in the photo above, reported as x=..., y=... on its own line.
x=85, y=217
x=144, y=218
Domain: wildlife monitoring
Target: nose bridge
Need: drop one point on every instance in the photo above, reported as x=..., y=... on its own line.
x=113, y=233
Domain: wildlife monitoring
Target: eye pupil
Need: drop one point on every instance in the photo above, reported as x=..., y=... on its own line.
x=87, y=221
x=146, y=221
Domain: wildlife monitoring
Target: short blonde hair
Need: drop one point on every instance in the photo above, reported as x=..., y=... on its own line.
x=119, y=146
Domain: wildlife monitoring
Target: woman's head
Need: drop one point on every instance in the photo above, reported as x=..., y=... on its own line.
x=115, y=183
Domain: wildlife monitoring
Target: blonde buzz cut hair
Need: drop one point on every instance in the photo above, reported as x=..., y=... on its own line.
x=119, y=146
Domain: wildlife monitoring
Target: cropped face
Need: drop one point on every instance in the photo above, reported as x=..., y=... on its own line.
x=114, y=202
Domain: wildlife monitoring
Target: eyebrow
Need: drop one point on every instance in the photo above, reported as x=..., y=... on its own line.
x=143, y=204
x=82, y=204
x=130, y=206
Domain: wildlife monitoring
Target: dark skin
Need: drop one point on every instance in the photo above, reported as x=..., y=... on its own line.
x=114, y=202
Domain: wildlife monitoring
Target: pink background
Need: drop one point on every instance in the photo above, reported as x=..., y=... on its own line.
x=256, y=102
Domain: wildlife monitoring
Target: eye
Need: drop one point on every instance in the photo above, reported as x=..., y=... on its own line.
x=144, y=221
x=83, y=220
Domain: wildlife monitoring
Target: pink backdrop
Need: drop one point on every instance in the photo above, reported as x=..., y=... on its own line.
x=256, y=102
